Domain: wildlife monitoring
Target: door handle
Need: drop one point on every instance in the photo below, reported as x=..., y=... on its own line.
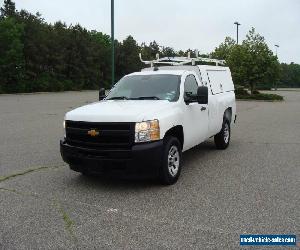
x=203, y=108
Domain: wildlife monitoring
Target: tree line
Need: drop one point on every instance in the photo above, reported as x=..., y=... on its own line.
x=254, y=65
x=38, y=56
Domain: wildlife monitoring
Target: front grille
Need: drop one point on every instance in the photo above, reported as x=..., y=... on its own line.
x=111, y=135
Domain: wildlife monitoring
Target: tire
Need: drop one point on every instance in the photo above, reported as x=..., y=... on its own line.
x=222, y=139
x=172, y=161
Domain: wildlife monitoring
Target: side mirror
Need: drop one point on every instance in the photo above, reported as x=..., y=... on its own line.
x=202, y=95
x=101, y=94
x=190, y=98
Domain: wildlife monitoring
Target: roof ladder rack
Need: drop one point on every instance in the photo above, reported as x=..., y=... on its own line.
x=177, y=61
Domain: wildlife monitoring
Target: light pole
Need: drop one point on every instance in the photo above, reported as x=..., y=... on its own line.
x=112, y=42
x=237, y=32
x=277, y=46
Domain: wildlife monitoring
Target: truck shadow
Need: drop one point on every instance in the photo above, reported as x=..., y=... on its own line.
x=198, y=152
x=194, y=155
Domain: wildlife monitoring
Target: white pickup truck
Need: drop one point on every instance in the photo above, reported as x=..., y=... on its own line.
x=149, y=118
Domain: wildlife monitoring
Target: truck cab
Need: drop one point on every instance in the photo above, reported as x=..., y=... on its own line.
x=148, y=119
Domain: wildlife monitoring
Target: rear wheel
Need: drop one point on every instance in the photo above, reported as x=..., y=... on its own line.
x=172, y=161
x=222, y=139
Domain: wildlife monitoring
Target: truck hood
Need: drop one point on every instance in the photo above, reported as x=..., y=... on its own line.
x=119, y=111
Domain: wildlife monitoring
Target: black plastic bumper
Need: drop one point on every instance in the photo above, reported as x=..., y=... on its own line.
x=141, y=159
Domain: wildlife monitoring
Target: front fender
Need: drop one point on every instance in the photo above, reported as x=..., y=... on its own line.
x=169, y=119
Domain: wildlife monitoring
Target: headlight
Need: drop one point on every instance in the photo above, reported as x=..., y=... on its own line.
x=147, y=131
x=64, y=124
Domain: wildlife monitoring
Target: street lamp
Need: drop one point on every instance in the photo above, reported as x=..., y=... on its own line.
x=112, y=43
x=237, y=32
x=277, y=46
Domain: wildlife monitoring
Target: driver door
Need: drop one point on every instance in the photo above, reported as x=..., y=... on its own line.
x=195, y=116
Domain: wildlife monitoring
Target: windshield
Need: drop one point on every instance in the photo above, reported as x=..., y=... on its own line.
x=146, y=87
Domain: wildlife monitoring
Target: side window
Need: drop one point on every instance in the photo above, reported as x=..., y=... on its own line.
x=190, y=85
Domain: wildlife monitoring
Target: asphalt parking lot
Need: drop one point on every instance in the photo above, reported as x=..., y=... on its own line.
x=250, y=188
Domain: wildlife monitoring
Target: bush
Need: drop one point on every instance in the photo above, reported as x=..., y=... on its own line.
x=67, y=85
x=261, y=96
x=239, y=90
x=264, y=87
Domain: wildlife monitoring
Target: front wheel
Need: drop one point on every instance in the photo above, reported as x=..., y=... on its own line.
x=172, y=161
x=222, y=139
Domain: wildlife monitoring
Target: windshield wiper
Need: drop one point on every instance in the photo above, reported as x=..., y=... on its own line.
x=118, y=98
x=147, y=98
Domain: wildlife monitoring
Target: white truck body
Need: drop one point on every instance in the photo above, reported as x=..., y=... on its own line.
x=179, y=122
x=197, y=125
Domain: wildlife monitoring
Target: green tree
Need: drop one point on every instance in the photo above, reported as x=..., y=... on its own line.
x=252, y=62
x=224, y=49
x=237, y=60
x=290, y=75
x=168, y=52
x=38, y=56
x=128, y=57
x=101, y=48
x=8, y=9
x=11, y=51
x=35, y=51
x=150, y=52
x=261, y=65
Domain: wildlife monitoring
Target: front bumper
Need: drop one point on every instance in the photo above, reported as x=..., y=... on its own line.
x=141, y=159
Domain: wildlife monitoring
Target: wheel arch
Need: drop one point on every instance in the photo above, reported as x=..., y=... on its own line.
x=176, y=131
x=228, y=114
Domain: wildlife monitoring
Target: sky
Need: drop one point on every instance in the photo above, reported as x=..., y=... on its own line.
x=183, y=24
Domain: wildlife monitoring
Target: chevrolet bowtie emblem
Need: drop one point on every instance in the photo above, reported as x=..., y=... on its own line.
x=93, y=133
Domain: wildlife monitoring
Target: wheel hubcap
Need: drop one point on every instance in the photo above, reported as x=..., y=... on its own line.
x=226, y=133
x=173, y=161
